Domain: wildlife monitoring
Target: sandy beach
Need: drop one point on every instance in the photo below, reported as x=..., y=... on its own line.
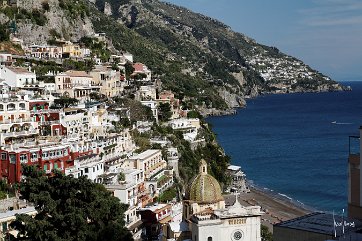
x=276, y=209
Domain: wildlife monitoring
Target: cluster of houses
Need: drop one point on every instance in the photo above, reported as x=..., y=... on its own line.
x=81, y=139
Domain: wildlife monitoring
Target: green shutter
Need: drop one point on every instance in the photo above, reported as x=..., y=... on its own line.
x=45, y=167
x=5, y=226
x=55, y=165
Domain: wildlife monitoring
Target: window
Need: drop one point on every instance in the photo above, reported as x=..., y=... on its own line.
x=45, y=167
x=55, y=165
x=86, y=170
x=12, y=158
x=23, y=158
x=209, y=239
x=5, y=227
x=4, y=156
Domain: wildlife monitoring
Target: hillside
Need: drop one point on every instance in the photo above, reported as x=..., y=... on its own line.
x=201, y=59
x=201, y=47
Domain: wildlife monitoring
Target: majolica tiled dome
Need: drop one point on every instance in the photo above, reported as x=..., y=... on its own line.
x=205, y=188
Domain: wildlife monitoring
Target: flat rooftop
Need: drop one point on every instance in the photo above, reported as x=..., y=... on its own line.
x=145, y=154
x=322, y=223
x=234, y=168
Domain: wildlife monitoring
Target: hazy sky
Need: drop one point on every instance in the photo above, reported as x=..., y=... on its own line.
x=326, y=34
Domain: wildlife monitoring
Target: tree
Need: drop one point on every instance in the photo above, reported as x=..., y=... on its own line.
x=194, y=114
x=129, y=69
x=68, y=209
x=64, y=102
x=164, y=111
x=266, y=235
x=4, y=33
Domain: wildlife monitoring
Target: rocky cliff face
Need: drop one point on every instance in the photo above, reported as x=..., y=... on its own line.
x=193, y=55
x=212, y=50
x=58, y=20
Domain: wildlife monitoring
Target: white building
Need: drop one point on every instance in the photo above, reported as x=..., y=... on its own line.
x=17, y=77
x=189, y=127
x=74, y=84
x=130, y=191
x=207, y=217
x=146, y=93
x=150, y=161
x=89, y=165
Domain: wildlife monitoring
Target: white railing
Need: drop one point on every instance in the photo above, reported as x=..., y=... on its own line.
x=30, y=132
x=12, y=121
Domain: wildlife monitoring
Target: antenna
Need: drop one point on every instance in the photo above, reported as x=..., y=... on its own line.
x=343, y=220
x=334, y=226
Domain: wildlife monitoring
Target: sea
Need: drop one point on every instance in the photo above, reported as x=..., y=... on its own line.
x=296, y=146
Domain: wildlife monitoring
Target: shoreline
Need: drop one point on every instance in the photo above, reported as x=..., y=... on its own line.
x=276, y=208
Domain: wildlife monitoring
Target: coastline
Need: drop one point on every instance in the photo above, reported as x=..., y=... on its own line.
x=276, y=208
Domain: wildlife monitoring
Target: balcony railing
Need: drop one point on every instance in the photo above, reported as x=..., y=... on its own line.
x=13, y=121
x=44, y=111
x=15, y=134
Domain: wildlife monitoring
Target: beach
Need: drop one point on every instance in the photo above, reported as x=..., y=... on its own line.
x=276, y=208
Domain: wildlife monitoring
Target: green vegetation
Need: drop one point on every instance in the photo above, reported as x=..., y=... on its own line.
x=68, y=209
x=121, y=177
x=64, y=102
x=138, y=111
x=168, y=195
x=75, y=8
x=5, y=189
x=35, y=16
x=98, y=48
x=190, y=157
x=266, y=235
x=164, y=112
x=4, y=32
x=153, y=54
x=142, y=141
x=86, y=65
x=45, y=6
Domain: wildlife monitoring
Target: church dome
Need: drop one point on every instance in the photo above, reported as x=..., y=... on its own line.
x=204, y=187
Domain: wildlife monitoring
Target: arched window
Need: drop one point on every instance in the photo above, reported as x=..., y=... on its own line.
x=22, y=106
x=209, y=239
x=11, y=106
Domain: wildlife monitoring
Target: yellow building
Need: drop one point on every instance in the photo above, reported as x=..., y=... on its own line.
x=73, y=50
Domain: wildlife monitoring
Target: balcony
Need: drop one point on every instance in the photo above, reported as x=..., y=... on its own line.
x=44, y=111
x=13, y=121
x=20, y=133
x=49, y=122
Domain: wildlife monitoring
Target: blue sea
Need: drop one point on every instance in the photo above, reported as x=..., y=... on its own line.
x=296, y=145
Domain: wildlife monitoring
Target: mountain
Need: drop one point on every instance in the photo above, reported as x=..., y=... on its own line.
x=201, y=59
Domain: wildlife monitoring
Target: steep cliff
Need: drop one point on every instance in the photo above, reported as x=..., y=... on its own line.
x=201, y=59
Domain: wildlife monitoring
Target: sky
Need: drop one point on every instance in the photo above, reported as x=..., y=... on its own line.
x=325, y=34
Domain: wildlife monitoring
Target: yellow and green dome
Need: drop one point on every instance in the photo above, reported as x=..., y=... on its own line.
x=204, y=187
